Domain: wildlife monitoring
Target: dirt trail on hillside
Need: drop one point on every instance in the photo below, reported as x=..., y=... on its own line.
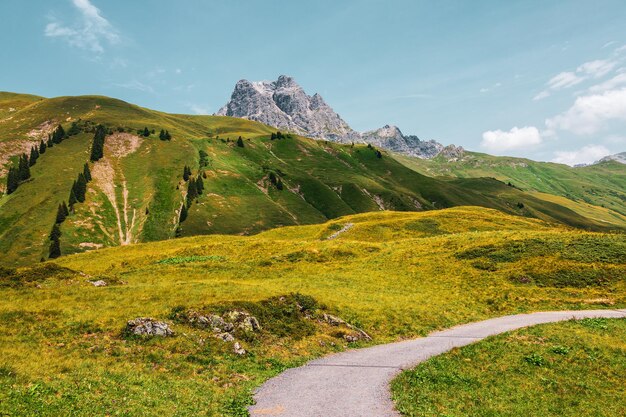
x=108, y=171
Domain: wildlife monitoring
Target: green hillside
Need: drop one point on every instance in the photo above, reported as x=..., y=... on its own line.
x=137, y=192
x=393, y=274
x=601, y=185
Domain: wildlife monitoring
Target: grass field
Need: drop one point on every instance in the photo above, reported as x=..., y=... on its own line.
x=137, y=192
x=571, y=369
x=394, y=274
x=602, y=185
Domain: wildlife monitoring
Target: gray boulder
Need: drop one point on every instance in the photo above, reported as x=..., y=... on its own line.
x=146, y=326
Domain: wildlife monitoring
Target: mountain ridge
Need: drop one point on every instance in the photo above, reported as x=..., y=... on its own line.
x=285, y=105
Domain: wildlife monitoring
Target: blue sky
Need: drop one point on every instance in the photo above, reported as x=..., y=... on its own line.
x=541, y=79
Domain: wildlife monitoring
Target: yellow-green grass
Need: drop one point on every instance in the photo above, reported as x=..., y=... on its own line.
x=602, y=185
x=396, y=275
x=321, y=180
x=571, y=369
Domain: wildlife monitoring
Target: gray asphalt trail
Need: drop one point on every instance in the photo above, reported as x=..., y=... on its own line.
x=355, y=383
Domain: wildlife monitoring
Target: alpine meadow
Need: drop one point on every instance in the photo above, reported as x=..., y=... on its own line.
x=194, y=249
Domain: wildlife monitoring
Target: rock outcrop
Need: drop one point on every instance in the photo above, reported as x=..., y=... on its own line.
x=145, y=326
x=285, y=105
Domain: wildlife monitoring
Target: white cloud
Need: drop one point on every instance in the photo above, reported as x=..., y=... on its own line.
x=564, y=80
x=611, y=84
x=589, y=70
x=590, y=113
x=584, y=155
x=516, y=138
x=597, y=68
x=541, y=95
x=89, y=32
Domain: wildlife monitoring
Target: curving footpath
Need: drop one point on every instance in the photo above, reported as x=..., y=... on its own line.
x=355, y=383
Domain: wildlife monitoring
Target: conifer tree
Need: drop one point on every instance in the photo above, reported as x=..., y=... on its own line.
x=192, y=190
x=162, y=134
x=87, y=172
x=240, y=142
x=183, y=213
x=378, y=154
x=74, y=129
x=273, y=137
x=72, y=199
x=61, y=214
x=23, y=168
x=65, y=209
x=55, y=249
x=34, y=155
x=55, y=233
x=199, y=185
x=167, y=135
x=146, y=132
x=58, y=135
x=279, y=184
x=279, y=135
x=81, y=188
x=42, y=147
x=97, y=147
x=186, y=173
x=13, y=180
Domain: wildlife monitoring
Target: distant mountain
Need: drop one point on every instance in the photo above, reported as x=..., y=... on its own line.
x=285, y=105
x=618, y=157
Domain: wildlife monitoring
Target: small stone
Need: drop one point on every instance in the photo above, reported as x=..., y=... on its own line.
x=145, y=326
x=98, y=283
x=238, y=349
x=333, y=320
x=250, y=324
x=225, y=337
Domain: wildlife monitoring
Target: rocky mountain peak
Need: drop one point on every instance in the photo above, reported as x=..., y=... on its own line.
x=285, y=105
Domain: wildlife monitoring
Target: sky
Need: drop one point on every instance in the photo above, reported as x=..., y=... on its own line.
x=539, y=79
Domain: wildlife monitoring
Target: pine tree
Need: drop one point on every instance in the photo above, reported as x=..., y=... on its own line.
x=183, y=213
x=23, y=168
x=162, y=134
x=65, y=209
x=97, y=147
x=186, y=173
x=378, y=154
x=192, y=189
x=240, y=142
x=42, y=147
x=72, y=199
x=74, y=129
x=145, y=132
x=279, y=135
x=34, y=155
x=87, y=172
x=55, y=233
x=13, y=180
x=58, y=135
x=55, y=249
x=167, y=135
x=61, y=214
x=273, y=137
x=81, y=188
x=199, y=185
x=279, y=184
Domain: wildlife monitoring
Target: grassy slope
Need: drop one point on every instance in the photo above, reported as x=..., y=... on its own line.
x=600, y=185
x=567, y=369
x=394, y=274
x=322, y=181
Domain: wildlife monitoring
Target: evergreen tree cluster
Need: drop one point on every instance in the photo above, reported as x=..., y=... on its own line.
x=195, y=188
x=97, y=146
x=186, y=173
x=58, y=135
x=276, y=181
x=55, y=242
x=165, y=135
x=79, y=187
x=204, y=159
x=17, y=175
x=278, y=135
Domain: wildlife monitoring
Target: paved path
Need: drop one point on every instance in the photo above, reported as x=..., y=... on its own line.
x=355, y=383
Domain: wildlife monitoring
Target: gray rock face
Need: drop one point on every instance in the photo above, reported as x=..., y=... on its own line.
x=618, y=157
x=285, y=105
x=145, y=326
